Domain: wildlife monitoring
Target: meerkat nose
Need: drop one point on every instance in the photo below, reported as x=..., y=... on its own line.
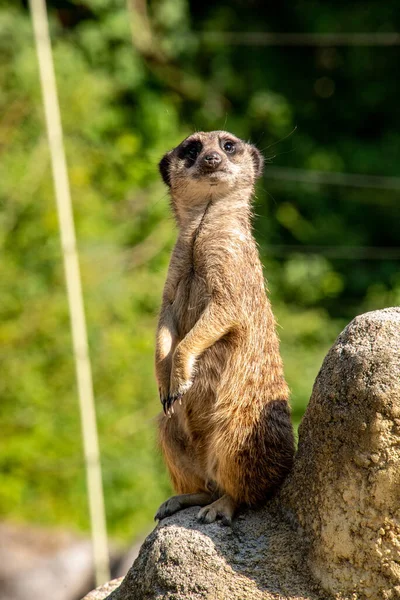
x=212, y=160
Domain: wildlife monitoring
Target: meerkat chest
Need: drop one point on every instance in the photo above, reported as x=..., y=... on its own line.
x=191, y=300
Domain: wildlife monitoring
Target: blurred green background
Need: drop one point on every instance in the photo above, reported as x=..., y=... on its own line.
x=133, y=80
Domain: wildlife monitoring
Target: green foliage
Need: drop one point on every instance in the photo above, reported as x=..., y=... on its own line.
x=123, y=105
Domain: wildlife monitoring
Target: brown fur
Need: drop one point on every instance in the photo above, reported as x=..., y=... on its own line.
x=229, y=437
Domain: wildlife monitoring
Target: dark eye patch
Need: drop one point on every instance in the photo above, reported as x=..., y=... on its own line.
x=190, y=152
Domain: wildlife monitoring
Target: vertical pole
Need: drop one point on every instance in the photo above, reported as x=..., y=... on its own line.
x=74, y=289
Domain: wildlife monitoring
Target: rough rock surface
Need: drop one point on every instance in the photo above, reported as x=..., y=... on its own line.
x=345, y=487
x=104, y=590
x=256, y=559
x=336, y=521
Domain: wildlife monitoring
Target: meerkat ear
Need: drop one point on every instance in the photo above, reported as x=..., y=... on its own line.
x=258, y=161
x=164, y=166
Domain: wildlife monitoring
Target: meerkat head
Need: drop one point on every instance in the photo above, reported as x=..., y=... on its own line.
x=208, y=166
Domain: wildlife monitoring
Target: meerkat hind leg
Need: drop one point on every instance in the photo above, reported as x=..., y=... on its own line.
x=224, y=508
x=176, y=503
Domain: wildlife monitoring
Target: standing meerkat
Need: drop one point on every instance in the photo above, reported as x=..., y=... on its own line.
x=226, y=433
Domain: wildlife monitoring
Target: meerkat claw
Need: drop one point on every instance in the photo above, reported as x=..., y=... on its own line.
x=168, y=404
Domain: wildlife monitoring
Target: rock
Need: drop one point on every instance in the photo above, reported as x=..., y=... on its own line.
x=333, y=529
x=257, y=559
x=345, y=487
x=104, y=590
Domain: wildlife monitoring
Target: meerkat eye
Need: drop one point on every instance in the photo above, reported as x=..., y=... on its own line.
x=229, y=147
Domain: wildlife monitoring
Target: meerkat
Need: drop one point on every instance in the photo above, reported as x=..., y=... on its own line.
x=226, y=433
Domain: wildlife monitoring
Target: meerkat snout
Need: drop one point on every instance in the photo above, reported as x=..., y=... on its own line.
x=212, y=160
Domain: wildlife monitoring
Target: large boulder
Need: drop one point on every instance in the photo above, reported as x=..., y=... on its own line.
x=345, y=487
x=333, y=531
x=257, y=559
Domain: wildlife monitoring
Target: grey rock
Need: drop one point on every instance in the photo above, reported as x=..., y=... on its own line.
x=104, y=590
x=257, y=558
x=333, y=531
x=345, y=487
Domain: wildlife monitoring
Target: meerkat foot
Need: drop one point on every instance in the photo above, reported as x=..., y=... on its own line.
x=224, y=508
x=177, y=503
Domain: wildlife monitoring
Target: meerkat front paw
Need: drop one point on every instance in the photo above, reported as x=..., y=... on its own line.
x=166, y=399
x=181, y=380
x=168, y=403
x=164, y=395
x=163, y=374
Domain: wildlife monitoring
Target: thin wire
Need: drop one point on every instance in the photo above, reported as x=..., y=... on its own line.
x=340, y=252
x=377, y=182
x=260, y=38
x=74, y=290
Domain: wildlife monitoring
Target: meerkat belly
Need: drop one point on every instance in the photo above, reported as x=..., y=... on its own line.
x=198, y=406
